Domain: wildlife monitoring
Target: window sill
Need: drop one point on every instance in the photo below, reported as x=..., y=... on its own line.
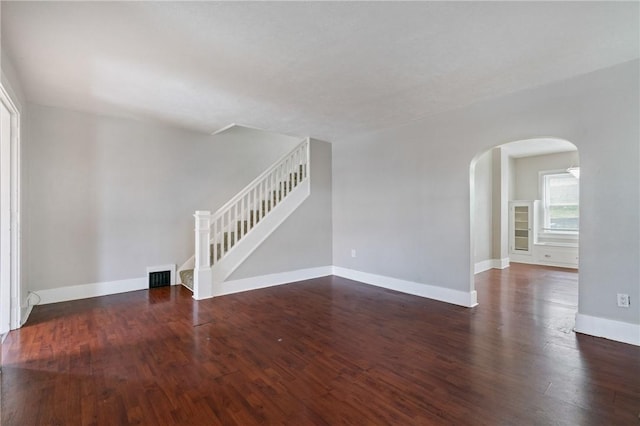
x=563, y=235
x=557, y=244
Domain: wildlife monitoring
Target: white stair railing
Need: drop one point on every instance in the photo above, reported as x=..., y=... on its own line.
x=219, y=233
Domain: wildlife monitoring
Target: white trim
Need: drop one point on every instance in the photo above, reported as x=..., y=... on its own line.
x=531, y=260
x=6, y=215
x=260, y=232
x=544, y=230
x=595, y=326
x=85, y=291
x=223, y=129
x=485, y=265
x=244, y=126
x=556, y=244
x=456, y=297
x=170, y=267
x=24, y=314
x=210, y=229
x=254, y=283
x=15, y=234
x=226, y=206
x=501, y=263
x=25, y=310
x=609, y=329
x=573, y=236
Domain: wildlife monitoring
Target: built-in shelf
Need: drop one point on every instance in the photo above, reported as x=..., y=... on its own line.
x=521, y=225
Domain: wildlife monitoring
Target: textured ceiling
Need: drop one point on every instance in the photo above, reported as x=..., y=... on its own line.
x=326, y=69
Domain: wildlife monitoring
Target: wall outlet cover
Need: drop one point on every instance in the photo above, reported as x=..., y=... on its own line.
x=623, y=300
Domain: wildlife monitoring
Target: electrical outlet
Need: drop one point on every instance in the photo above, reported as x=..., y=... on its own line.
x=623, y=300
x=353, y=252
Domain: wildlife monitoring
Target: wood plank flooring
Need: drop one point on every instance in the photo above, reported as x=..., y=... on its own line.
x=321, y=352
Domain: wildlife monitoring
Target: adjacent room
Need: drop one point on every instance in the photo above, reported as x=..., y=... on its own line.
x=319, y=213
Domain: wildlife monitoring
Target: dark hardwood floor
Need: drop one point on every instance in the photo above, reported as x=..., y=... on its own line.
x=321, y=352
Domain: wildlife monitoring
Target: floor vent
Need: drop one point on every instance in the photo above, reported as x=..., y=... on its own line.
x=159, y=279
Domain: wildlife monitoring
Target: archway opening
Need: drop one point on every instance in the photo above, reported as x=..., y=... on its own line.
x=525, y=210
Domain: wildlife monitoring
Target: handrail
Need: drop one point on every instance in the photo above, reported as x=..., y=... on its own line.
x=218, y=233
x=242, y=212
x=244, y=191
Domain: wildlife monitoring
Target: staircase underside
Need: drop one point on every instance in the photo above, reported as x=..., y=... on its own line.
x=244, y=228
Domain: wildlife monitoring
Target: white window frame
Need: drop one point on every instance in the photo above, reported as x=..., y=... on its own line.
x=544, y=229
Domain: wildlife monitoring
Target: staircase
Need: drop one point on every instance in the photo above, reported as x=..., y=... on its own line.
x=227, y=237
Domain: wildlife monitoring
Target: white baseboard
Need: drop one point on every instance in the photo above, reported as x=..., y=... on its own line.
x=501, y=263
x=609, y=329
x=456, y=297
x=17, y=315
x=263, y=281
x=595, y=326
x=25, y=311
x=485, y=265
x=84, y=291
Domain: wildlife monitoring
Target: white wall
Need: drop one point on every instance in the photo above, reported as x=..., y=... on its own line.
x=527, y=170
x=401, y=196
x=10, y=79
x=109, y=197
x=483, y=208
x=512, y=178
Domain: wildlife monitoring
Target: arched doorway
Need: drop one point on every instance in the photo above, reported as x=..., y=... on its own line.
x=525, y=206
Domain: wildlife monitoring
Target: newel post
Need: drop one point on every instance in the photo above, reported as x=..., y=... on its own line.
x=202, y=282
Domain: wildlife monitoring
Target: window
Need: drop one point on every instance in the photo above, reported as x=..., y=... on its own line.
x=560, y=191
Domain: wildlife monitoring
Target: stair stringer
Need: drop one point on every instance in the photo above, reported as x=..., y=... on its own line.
x=241, y=251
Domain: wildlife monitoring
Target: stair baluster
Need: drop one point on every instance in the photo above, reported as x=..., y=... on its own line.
x=228, y=226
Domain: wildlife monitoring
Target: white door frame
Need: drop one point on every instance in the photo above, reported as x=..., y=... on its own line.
x=14, y=233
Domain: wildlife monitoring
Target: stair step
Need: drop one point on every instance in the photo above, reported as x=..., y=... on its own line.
x=187, y=278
